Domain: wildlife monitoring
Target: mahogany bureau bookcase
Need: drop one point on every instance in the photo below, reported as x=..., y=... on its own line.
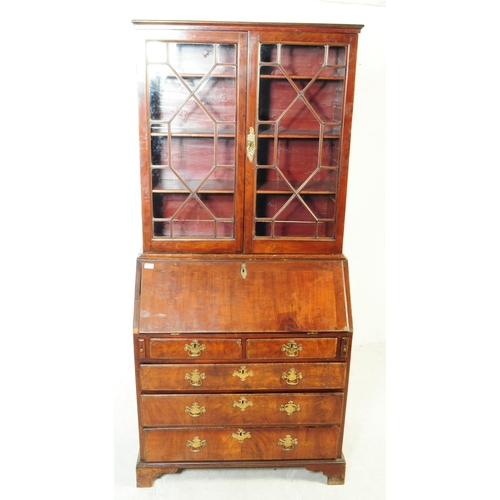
x=242, y=319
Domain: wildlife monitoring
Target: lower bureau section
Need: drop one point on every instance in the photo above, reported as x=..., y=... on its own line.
x=215, y=444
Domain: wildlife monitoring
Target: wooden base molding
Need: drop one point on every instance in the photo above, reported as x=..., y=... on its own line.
x=146, y=472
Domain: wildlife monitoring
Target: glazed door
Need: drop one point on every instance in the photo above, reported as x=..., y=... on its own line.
x=192, y=112
x=300, y=111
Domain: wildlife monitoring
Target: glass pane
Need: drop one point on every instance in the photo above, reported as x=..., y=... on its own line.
x=166, y=92
x=336, y=56
x=325, y=97
x=159, y=150
x=226, y=54
x=217, y=97
x=192, y=157
x=295, y=210
x=165, y=179
x=265, y=152
x=300, y=113
x=225, y=152
x=191, y=57
x=297, y=159
x=302, y=60
x=224, y=229
x=219, y=206
x=330, y=153
x=268, y=53
x=192, y=105
x=322, y=180
x=295, y=229
x=321, y=206
x=221, y=179
x=193, y=229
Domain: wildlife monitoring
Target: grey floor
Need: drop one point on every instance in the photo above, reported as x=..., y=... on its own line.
x=364, y=450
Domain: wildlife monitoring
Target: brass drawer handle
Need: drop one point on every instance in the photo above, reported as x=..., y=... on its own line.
x=292, y=377
x=251, y=144
x=194, y=349
x=242, y=373
x=241, y=435
x=242, y=403
x=196, y=444
x=196, y=410
x=291, y=349
x=290, y=408
x=289, y=443
x=195, y=377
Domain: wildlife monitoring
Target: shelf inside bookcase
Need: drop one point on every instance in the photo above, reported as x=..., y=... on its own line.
x=330, y=133
x=163, y=130
x=276, y=76
x=281, y=187
x=189, y=186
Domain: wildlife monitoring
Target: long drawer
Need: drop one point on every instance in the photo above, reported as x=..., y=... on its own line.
x=236, y=377
x=234, y=443
x=164, y=410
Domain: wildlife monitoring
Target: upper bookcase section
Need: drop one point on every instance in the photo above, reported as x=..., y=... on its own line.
x=244, y=135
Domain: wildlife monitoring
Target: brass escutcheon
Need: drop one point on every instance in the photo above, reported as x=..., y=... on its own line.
x=242, y=403
x=288, y=443
x=196, y=444
x=289, y=408
x=195, y=410
x=242, y=373
x=195, y=378
x=292, y=377
x=291, y=349
x=241, y=435
x=194, y=349
x=251, y=144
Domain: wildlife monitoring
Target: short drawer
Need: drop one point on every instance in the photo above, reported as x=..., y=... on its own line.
x=161, y=410
x=236, y=377
x=325, y=348
x=240, y=443
x=196, y=348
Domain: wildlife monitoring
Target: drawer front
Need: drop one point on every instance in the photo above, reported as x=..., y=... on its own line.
x=233, y=443
x=241, y=409
x=194, y=349
x=292, y=348
x=236, y=377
